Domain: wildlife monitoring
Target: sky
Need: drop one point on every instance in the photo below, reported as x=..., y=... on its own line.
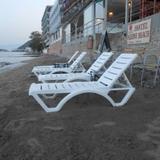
x=18, y=18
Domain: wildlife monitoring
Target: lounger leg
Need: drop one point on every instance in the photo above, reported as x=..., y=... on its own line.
x=131, y=72
x=125, y=99
x=155, y=78
x=45, y=107
x=142, y=75
x=58, y=107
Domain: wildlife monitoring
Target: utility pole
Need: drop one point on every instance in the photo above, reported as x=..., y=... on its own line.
x=154, y=7
x=105, y=14
x=94, y=16
x=126, y=16
x=130, y=4
x=142, y=5
x=94, y=24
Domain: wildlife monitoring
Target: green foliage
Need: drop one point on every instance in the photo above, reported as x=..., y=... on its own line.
x=37, y=43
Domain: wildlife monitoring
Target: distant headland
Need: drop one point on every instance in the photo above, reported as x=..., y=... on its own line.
x=4, y=50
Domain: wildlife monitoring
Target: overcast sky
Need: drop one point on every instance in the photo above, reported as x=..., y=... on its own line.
x=18, y=18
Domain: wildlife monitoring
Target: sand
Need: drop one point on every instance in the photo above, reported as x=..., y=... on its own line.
x=87, y=128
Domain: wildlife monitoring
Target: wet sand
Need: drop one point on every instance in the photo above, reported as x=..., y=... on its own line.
x=87, y=127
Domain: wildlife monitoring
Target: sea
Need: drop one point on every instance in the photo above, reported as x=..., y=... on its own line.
x=11, y=60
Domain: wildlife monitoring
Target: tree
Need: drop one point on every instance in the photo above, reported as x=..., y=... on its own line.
x=37, y=43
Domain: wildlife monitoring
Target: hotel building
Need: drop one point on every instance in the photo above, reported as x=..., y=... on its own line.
x=45, y=25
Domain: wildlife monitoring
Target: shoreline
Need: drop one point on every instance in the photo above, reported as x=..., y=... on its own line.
x=11, y=66
x=7, y=66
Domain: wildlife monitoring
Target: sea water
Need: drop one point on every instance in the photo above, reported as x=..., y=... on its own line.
x=10, y=60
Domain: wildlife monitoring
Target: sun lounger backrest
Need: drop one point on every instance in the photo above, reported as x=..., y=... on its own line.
x=78, y=60
x=117, y=68
x=100, y=62
x=73, y=57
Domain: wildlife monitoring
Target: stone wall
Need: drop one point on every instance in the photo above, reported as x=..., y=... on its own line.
x=80, y=45
x=55, y=48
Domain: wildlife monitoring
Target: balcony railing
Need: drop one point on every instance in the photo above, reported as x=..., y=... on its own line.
x=86, y=30
x=73, y=9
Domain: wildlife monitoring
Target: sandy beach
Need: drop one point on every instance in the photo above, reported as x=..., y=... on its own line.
x=87, y=128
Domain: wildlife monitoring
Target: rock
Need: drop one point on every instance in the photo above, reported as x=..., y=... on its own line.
x=2, y=64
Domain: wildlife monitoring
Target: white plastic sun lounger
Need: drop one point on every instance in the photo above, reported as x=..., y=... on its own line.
x=87, y=76
x=109, y=81
x=55, y=65
x=76, y=65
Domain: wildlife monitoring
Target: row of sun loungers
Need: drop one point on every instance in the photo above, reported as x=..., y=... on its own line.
x=64, y=79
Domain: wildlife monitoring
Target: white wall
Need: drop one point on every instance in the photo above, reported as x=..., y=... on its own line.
x=55, y=17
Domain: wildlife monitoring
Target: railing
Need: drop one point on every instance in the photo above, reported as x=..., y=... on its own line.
x=74, y=8
x=87, y=29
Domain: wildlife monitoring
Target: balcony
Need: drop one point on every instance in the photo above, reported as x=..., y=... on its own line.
x=72, y=8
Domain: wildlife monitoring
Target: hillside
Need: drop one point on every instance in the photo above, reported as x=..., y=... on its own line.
x=25, y=45
x=3, y=50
